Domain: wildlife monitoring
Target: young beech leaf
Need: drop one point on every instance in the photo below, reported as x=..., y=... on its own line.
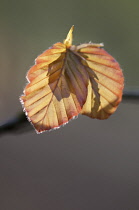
x=67, y=80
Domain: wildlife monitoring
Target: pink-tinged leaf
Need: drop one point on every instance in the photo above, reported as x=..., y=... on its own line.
x=67, y=80
x=105, y=81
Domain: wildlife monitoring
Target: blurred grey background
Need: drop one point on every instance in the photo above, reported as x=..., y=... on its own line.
x=87, y=164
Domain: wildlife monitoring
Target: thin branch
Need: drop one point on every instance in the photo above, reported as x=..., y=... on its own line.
x=19, y=123
x=130, y=95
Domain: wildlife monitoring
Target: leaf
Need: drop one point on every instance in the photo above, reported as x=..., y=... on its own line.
x=67, y=80
x=105, y=81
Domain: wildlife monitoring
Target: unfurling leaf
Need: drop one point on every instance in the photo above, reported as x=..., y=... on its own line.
x=68, y=80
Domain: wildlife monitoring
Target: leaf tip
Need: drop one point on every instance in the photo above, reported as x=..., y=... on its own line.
x=68, y=40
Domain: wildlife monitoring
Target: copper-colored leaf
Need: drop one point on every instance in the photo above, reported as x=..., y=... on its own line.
x=105, y=81
x=67, y=80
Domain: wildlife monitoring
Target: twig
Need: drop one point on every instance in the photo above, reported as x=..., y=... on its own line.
x=19, y=123
x=16, y=125
x=130, y=95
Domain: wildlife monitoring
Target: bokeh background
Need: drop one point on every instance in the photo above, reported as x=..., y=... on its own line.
x=87, y=164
